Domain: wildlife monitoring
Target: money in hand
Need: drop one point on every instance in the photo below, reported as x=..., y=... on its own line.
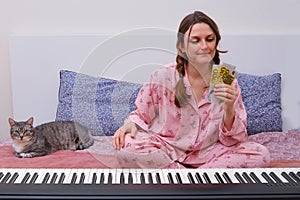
x=221, y=74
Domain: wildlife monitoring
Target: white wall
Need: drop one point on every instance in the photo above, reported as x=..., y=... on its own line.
x=66, y=17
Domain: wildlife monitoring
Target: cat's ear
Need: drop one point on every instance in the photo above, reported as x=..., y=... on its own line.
x=11, y=122
x=30, y=121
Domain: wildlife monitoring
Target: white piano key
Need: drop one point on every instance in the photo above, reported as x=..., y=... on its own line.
x=138, y=176
x=135, y=173
x=126, y=175
x=230, y=174
x=51, y=173
x=193, y=173
x=163, y=174
x=68, y=176
x=278, y=172
x=258, y=172
x=152, y=173
x=146, y=175
x=59, y=173
x=172, y=172
x=39, y=180
x=89, y=176
x=211, y=175
x=116, y=178
x=41, y=173
x=19, y=174
x=79, y=172
x=113, y=173
x=185, y=173
x=6, y=171
x=106, y=174
x=183, y=176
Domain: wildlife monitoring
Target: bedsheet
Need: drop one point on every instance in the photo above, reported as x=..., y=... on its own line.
x=283, y=146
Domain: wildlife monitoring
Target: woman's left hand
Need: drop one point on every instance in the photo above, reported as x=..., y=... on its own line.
x=228, y=94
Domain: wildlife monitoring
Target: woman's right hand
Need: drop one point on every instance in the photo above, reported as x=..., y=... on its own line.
x=118, y=140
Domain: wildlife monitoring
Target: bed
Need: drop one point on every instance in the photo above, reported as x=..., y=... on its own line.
x=102, y=104
x=79, y=83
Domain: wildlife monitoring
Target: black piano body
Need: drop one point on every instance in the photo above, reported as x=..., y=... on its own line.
x=113, y=184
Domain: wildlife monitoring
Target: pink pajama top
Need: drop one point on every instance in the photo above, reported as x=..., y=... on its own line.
x=197, y=126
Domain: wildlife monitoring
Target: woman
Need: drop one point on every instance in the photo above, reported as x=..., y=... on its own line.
x=175, y=125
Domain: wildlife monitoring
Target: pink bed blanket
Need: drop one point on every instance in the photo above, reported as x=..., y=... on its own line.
x=283, y=146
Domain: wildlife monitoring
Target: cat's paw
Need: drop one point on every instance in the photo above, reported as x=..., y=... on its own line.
x=18, y=155
x=26, y=155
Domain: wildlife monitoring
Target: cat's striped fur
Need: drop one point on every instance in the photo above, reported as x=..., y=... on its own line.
x=29, y=141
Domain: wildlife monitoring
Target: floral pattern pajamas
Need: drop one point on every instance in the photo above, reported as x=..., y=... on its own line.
x=191, y=136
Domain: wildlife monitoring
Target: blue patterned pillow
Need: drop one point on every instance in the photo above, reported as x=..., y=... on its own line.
x=101, y=104
x=262, y=99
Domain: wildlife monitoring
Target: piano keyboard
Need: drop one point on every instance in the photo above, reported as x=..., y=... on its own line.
x=273, y=183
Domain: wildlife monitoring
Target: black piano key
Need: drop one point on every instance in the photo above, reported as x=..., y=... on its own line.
x=33, y=178
x=276, y=178
x=61, y=178
x=288, y=178
x=1, y=175
x=110, y=178
x=82, y=177
x=94, y=179
x=198, y=178
x=268, y=178
x=255, y=178
x=53, y=178
x=178, y=178
x=130, y=178
x=26, y=177
x=46, y=178
x=206, y=178
x=239, y=177
x=219, y=178
x=13, y=178
x=142, y=177
x=298, y=174
x=5, y=178
x=122, y=178
x=170, y=178
x=157, y=176
x=247, y=177
x=74, y=177
x=190, y=177
x=102, y=176
x=150, y=178
x=295, y=177
x=226, y=177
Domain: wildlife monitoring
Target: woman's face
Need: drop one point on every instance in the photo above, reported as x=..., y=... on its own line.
x=201, y=45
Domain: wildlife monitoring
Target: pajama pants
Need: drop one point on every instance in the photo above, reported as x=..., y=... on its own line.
x=151, y=153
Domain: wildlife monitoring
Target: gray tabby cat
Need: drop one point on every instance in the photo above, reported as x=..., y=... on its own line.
x=29, y=141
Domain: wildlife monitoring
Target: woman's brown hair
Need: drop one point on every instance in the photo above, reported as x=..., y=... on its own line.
x=186, y=24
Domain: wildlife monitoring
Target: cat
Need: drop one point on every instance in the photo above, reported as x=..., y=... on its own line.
x=29, y=141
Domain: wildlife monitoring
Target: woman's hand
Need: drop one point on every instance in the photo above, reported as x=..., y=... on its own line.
x=228, y=94
x=118, y=140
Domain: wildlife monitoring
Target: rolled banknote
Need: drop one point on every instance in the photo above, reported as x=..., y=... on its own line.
x=221, y=74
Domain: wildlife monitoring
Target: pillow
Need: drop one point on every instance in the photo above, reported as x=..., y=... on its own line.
x=262, y=99
x=101, y=104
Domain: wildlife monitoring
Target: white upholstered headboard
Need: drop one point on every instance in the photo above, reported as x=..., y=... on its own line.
x=36, y=61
